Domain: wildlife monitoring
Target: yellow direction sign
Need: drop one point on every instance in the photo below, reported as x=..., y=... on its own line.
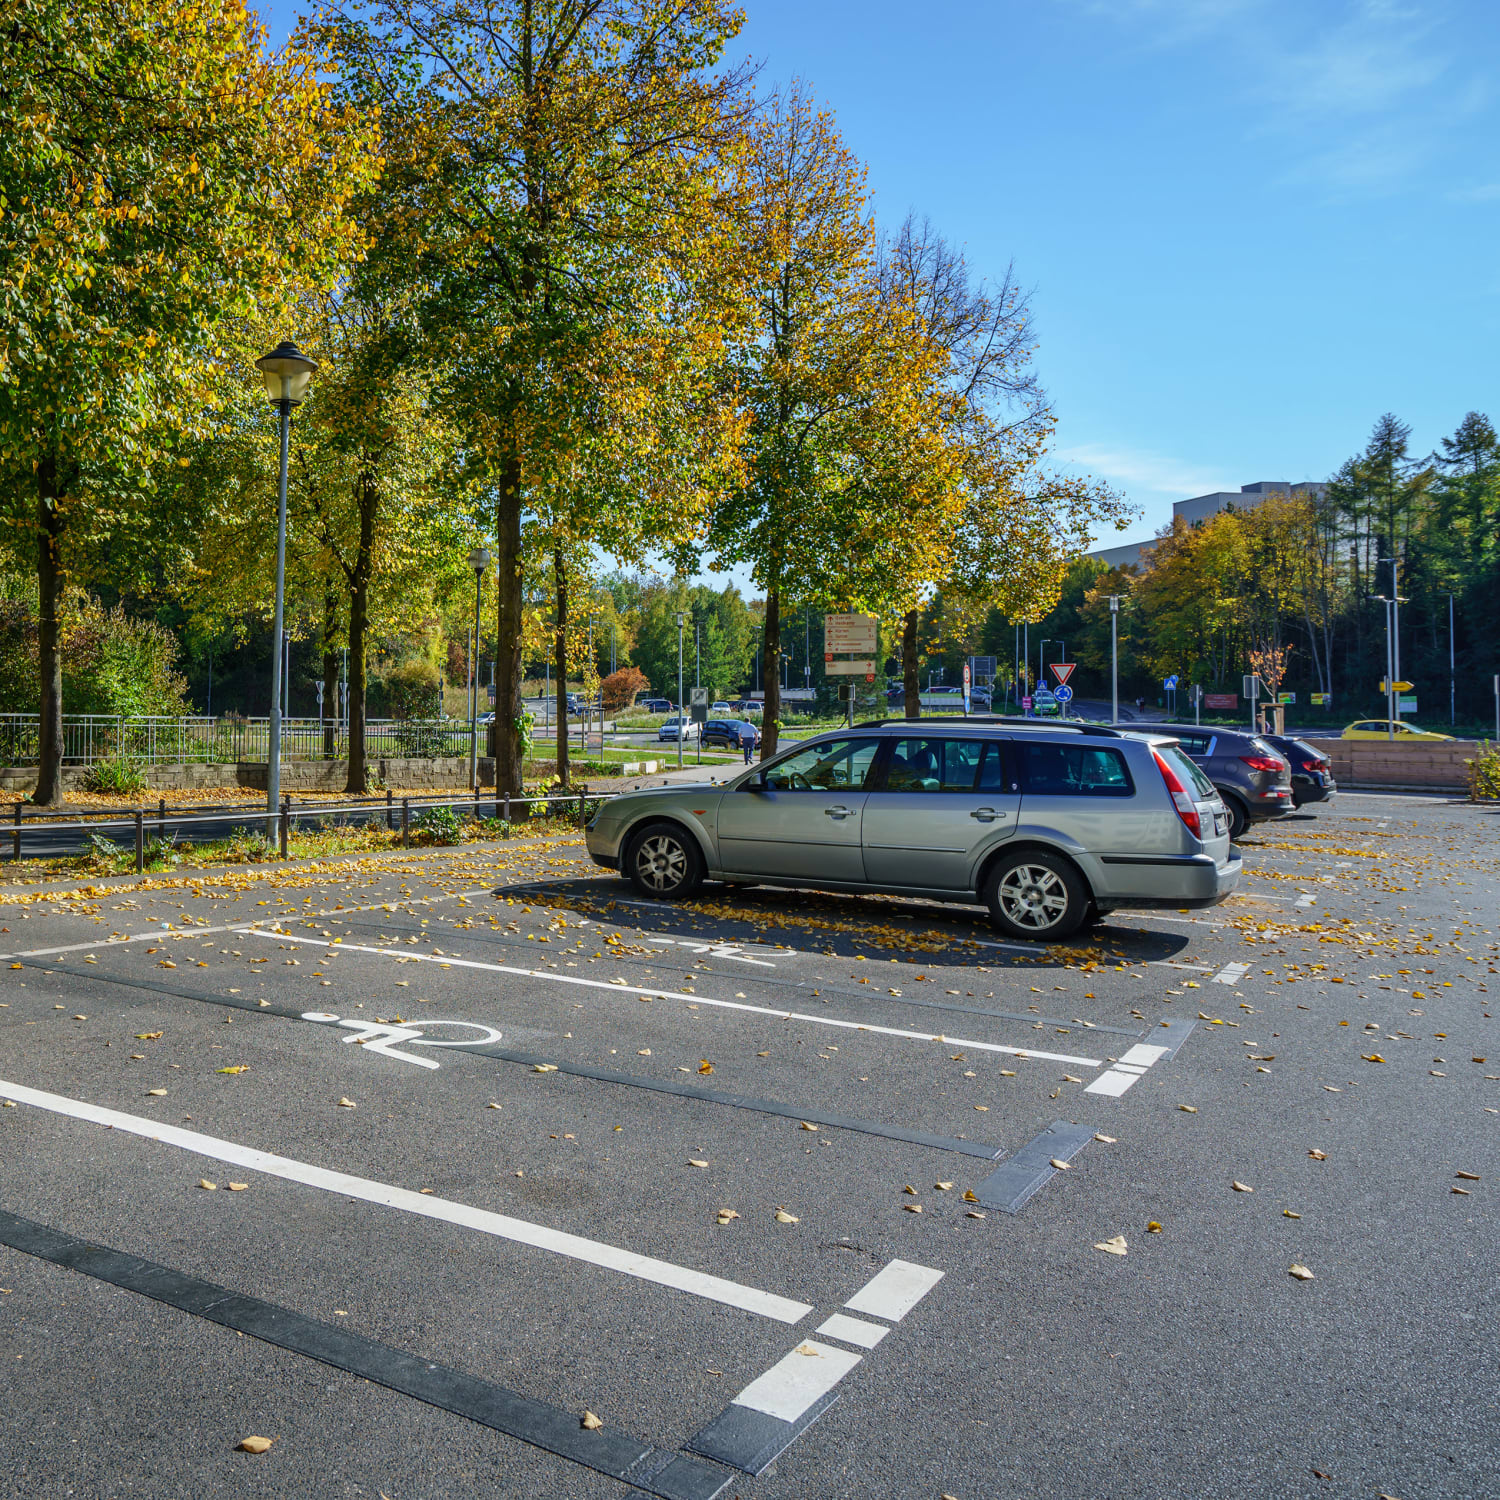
x=1395, y=687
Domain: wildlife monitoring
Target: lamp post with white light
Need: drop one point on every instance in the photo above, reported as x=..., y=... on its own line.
x=479, y=560
x=287, y=372
x=681, y=722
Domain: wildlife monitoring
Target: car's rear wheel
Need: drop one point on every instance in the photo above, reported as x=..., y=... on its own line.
x=1036, y=896
x=1239, y=816
x=663, y=861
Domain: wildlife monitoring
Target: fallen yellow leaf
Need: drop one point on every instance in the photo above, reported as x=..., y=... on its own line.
x=255, y=1444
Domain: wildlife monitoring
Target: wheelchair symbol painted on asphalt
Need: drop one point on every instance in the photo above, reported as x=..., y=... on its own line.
x=383, y=1036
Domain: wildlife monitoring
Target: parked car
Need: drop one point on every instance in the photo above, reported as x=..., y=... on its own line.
x=1379, y=729
x=721, y=708
x=1044, y=703
x=726, y=732
x=677, y=728
x=655, y=705
x=748, y=706
x=1312, y=771
x=1047, y=825
x=1252, y=777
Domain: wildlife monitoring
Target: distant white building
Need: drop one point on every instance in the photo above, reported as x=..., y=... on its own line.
x=1201, y=507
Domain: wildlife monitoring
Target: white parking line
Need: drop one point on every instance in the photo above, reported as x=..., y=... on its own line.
x=1034, y=948
x=520, y=1231
x=1132, y=1064
x=897, y=1287
x=689, y=999
x=1231, y=974
x=798, y=1379
x=1125, y=919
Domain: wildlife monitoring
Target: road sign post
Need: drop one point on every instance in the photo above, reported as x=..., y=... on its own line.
x=1062, y=670
x=968, y=687
x=1252, y=692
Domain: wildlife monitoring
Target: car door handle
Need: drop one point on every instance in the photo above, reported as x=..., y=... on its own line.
x=987, y=814
x=838, y=812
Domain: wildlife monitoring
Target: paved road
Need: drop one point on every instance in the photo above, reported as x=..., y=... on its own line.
x=421, y=1292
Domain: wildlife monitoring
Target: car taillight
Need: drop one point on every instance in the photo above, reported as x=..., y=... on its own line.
x=1187, y=809
x=1264, y=763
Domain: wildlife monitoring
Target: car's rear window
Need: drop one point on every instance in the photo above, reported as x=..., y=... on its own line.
x=1187, y=770
x=1073, y=771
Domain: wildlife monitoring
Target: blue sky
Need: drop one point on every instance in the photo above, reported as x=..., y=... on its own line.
x=1250, y=226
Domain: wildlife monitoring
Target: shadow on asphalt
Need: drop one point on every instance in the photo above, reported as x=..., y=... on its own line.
x=839, y=925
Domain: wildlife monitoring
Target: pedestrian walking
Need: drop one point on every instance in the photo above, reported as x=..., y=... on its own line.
x=747, y=741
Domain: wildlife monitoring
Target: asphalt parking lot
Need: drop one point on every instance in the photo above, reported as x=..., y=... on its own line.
x=469, y=1172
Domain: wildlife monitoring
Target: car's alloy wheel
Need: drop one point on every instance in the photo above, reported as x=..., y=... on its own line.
x=664, y=862
x=1037, y=896
x=1033, y=896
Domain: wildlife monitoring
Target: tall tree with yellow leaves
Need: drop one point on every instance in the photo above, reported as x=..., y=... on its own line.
x=160, y=171
x=561, y=175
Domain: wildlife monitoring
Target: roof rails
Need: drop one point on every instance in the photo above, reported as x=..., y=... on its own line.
x=1077, y=726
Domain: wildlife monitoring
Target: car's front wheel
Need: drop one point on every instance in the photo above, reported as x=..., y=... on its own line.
x=663, y=861
x=1037, y=896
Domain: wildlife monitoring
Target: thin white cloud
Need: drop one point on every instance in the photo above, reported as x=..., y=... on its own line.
x=1138, y=470
x=1486, y=193
x=1364, y=96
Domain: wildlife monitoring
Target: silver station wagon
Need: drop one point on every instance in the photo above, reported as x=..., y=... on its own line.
x=1048, y=826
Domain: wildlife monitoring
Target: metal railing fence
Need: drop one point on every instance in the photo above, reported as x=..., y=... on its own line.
x=161, y=825
x=160, y=740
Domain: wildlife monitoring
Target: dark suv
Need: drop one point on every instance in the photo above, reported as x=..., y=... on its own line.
x=1312, y=771
x=727, y=732
x=1252, y=776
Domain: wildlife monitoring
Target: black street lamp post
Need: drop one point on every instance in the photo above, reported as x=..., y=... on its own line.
x=287, y=372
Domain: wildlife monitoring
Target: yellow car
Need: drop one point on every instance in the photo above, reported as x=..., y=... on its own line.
x=1376, y=729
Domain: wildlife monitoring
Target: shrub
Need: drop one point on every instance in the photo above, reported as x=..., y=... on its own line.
x=117, y=775
x=161, y=850
x=104, y=850
x=1484, y=774
x=439, y=825
x=250, y=847
x=620, y=689
x=112, y=663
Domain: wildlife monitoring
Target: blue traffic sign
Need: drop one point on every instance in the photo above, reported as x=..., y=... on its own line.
x=1063, y=693
x=1170, y=682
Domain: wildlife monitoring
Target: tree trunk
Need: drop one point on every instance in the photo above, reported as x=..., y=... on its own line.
x=330, y=672
x=910, y=678
x=770, y=671
x=359, y=621
x=49, y=574
x=509, y=768
x=560, y=662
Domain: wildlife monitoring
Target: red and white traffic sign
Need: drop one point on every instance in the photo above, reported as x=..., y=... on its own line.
x=1062, y=670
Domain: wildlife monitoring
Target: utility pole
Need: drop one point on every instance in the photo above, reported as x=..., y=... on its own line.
x=1114, y=657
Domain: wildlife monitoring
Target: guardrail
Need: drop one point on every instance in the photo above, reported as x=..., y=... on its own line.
x=395, y=813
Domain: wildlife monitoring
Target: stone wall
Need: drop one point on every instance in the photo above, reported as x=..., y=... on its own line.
x=1420, y=765
x=448, y=773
